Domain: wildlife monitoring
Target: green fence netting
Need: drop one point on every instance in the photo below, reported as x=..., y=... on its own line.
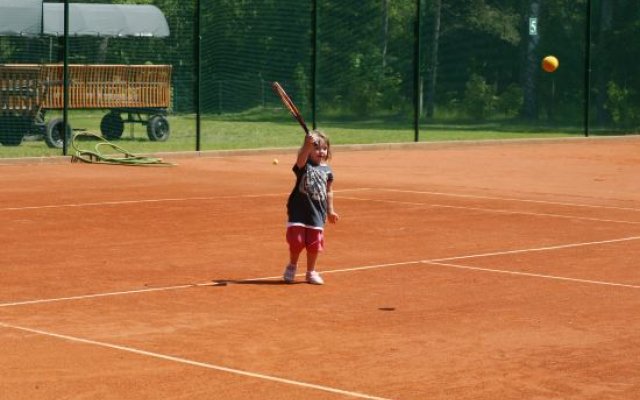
x=375, y=71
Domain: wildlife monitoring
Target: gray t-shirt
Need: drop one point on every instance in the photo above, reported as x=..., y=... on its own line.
x=307, y=205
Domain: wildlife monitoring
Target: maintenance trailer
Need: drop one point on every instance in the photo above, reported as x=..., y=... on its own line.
x=129, y=94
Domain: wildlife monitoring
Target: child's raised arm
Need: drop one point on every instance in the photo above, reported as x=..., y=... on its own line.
x=305, y=150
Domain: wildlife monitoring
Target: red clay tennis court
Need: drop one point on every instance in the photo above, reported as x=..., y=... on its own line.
x=458, y=271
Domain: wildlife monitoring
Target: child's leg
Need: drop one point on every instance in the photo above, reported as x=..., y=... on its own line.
x=315, y=244
x=295, y=238
x=312, y=276
x=312, y=257
x=294, y=255
x=289, y=274
x=300, y=238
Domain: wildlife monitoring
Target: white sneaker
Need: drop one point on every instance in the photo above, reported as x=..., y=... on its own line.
x=289, y=275
x=314, y=278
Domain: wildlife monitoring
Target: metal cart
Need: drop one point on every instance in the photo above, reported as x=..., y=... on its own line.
x=130, y=93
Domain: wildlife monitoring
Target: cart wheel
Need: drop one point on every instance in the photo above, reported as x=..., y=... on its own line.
x=158, y=128
x=112, y=126
x=13, y=129
x=10, y=138
x=53, y=135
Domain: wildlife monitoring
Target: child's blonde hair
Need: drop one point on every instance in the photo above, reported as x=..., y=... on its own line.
x=324, y=137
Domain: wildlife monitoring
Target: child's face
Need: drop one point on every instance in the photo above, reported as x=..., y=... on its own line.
x=320, y=151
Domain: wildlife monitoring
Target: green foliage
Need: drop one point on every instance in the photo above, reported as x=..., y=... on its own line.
x=479, y=97
x=621, y=105
x=303, y=86
x=510, y=100
x=6, y=48
x=501, y=23
x=259, y=129
x=367, y=97
x=365, y=55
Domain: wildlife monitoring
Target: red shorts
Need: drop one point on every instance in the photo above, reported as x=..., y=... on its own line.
x=300, y=237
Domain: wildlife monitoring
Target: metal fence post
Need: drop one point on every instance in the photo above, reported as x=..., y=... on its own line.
x=197, y=50
x=314, y=61
x=65, y=79
x=587, y=69
x=416, y=71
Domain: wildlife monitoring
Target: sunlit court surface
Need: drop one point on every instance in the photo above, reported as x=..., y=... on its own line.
x=487, y=270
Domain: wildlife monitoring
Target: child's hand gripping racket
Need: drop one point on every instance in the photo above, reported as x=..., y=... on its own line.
x=286, y=100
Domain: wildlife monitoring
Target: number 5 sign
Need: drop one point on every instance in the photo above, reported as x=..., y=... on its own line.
x=533, y=26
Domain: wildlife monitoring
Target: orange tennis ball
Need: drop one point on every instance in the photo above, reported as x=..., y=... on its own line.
x=550, y=63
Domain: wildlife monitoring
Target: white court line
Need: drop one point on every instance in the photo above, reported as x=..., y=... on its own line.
x=96, y=295
x=490, y=210
x=167, y=200
x=193, y=363
x=557, y=247
x=471, y=196
x=142, y=201
x=304, y=384
x=530, y=274
x=353, y=269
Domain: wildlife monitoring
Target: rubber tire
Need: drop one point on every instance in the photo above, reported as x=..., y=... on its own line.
x=13, y=129
x=53, y=135
x=158, y=128
x=112, y=126
x=11, y=139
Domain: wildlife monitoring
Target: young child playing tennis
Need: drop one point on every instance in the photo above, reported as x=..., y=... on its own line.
x=309, y=206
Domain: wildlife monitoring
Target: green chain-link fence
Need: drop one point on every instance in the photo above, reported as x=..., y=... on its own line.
x=371, y=71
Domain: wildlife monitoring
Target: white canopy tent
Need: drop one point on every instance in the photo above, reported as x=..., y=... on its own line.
x=20, y=17
x=33, y=17
x=114, y=20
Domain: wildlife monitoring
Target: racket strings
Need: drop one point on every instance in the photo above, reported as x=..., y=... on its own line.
x=286, y=100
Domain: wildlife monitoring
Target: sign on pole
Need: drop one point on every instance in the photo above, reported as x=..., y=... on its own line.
x=533, y=26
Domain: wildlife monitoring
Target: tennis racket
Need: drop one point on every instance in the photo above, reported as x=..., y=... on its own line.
x=286, y=100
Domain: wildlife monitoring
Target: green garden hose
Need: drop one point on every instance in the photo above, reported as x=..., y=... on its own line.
x=98, y=157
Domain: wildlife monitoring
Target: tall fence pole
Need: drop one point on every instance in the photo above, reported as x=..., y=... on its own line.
x=65, y=79
x=587, y=69
x=198, y=71
x=416, y=71
x=314, y=61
